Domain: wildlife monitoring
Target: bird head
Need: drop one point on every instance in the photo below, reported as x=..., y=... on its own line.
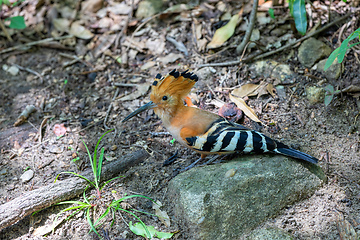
x=167, y=93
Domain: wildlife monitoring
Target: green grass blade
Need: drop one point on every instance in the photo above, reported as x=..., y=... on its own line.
x=131, y=196
x=142, y=223
x=110, y=181
x=331, y=58
x=92, y=227
x=342, y=50
x=78, y=175
x=93, y=165
x=102, y=216
x=98, y=143
x=100, y=163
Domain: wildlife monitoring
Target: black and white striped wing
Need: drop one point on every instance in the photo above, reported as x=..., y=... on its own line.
x=223, y=136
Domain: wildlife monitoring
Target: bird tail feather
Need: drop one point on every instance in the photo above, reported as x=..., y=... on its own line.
x=297, y=154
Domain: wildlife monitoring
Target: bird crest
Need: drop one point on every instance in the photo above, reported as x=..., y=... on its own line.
x=174, y=84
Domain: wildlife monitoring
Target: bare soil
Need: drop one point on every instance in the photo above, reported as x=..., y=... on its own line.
x=81, y=101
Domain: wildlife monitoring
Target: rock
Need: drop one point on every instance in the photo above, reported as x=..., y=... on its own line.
x=311, y=51
x=315, y=94
x=219, y=207
x=333, y=72
x=27, y=176
x=148, y=8
x=269, y=233
x=271, y=68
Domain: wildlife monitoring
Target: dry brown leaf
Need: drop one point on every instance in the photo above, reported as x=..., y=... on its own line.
x=80, y=31
x=61, y=24
x=141, y=90
x=248, y=111
x=270, y=88
x=246, y=90
x=170, y=58
x=224, y=33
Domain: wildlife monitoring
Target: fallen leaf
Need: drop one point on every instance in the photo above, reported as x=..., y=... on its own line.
x=148, y=65
x=59, y=129
x=224, y=33
x=179, y=45
x=141, y=90
x=163, y=216
x=170, y=58
x=270, y=88
x=248, y=111
x=61, y=24
x=103, y=43
x=246, y=90
x=231, y=112
x=80, y=31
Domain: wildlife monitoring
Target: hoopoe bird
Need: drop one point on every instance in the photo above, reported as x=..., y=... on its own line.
x=203, y=131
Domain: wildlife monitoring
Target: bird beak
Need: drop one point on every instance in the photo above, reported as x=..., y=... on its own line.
x=147, y=106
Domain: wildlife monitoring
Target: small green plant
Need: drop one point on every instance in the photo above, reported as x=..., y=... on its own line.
x=16, y=22
x=271, y=13
x=330, y=93
x=340, y=52
x=298, y=11
x=86, y=205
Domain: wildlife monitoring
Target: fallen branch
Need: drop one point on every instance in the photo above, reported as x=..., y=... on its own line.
x=252, y=19
x=27, y=45
x=20, y=207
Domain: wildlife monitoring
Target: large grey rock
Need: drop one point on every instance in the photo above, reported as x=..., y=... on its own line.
x=216, y=205
x=311, y=51
x=269, y=234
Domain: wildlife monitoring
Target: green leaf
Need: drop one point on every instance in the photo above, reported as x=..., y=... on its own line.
x=6, y=2
x=291, y=7
x=329, y=88
x=271, y=13
x=17, y=22
x=328, y=99
x=299, y=14
x=139, y=229
x=331, y=58
x=342, y=50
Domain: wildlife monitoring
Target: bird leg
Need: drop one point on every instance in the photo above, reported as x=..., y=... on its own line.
x=194, y=163
x=212, y=159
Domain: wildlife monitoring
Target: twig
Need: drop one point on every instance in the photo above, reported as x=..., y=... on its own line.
x=26, y=45
x=241, y=47
x=5, y=31
x=229, y=63
x=30, y=71
x=124, y=29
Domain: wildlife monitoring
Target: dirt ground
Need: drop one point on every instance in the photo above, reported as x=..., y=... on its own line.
x=80, y=100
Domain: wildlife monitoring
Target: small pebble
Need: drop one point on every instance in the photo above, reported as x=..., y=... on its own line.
x=3, y=171
x=230, y=173
x=27, y=176
x=56, y=149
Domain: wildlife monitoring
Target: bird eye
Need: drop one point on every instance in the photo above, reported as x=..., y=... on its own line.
x=164, y=98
